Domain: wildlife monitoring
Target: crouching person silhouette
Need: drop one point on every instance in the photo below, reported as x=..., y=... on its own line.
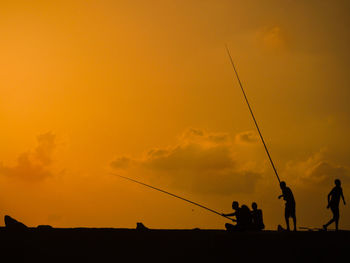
x=242, y=216
x=257, y=217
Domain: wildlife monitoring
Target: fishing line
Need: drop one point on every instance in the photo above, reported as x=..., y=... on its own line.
x=176, y=196
x=251, y=112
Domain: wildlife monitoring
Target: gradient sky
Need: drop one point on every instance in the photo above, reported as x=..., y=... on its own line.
x=145, y=89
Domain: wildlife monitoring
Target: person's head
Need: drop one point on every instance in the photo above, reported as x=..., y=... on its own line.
x=283, y=184
x=254, y=206
x=337, y=182
x=245, y=208
x=235, y=205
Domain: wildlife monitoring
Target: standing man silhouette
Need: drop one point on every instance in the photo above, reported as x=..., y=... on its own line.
x=333, y=203
x=289, y=210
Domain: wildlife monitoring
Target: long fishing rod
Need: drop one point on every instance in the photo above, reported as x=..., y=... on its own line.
x=179, y=197
x=251, y=112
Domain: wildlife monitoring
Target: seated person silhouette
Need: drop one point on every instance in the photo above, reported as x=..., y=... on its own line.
x=257, y=217
x=243, y=218
x=333, y=203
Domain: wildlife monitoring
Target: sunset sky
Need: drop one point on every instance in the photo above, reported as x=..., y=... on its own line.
x=145, y=89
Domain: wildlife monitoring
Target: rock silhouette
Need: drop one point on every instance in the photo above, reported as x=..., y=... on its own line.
x=140, y=226
x=13, y=224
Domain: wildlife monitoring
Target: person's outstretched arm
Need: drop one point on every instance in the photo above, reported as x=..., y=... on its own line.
x=232, y=214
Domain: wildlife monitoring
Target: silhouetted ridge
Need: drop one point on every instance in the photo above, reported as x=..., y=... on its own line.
x=13, y=224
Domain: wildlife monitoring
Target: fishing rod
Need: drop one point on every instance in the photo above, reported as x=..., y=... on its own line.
x=251, y=112
x=179, y=197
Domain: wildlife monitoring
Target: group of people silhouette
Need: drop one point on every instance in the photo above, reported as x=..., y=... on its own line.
x=247, y=219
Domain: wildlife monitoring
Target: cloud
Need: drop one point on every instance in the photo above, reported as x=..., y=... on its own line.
x=202, y=162
x=34, y=165
x=196, y=135
x=272, y=38
x=248, y=137
x=46, y=145
x=317, y=170
x=121, y=162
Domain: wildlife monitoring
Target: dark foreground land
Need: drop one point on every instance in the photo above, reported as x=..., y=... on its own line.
x=130, y=245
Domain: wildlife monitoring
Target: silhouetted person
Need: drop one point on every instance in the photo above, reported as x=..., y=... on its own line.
x=333, y=203
x=243, y=218
x=257, y=217
x=289, y=210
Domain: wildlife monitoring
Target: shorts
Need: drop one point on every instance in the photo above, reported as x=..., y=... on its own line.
x=289, y=211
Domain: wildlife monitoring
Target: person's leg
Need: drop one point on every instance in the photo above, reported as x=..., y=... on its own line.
x=287, y=223
x=230, y=227
x=330, y=221
x=336, y=217
x=294, y=218
x=295, y=223
x=286, y=217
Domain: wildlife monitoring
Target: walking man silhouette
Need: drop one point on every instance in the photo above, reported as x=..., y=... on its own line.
x=333, y=203
x=289, y=210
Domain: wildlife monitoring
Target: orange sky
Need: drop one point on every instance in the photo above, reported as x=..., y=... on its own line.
x=145, y=89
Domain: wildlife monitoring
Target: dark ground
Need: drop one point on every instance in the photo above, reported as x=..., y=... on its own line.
x=130, y=245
